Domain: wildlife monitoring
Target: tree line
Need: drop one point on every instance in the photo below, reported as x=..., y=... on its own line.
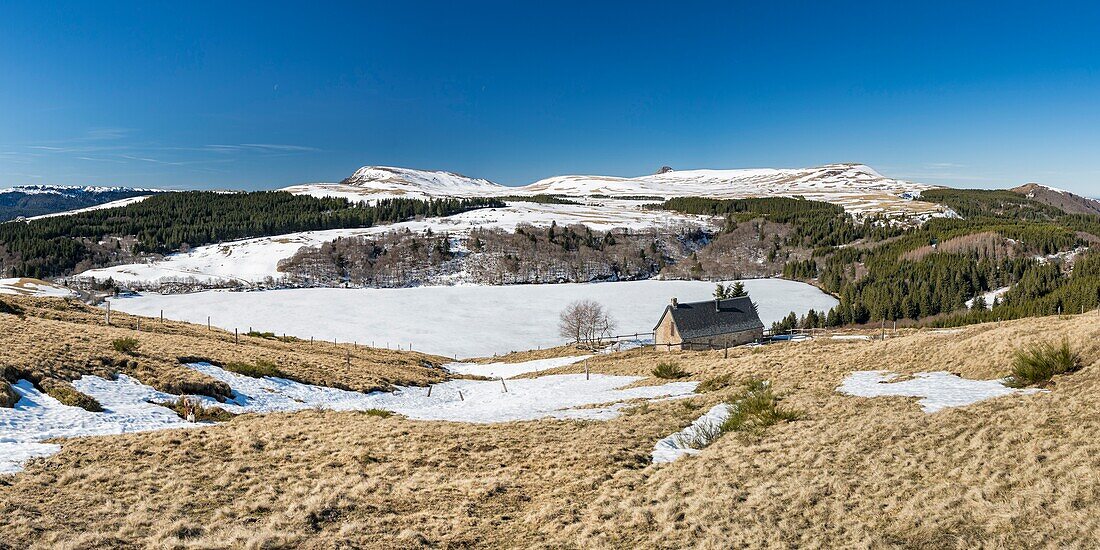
x=170, y=222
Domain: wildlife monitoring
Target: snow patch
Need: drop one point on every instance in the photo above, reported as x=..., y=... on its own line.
x=33, y=287
x=509, y=370
x=936, y=390
x=677, y=445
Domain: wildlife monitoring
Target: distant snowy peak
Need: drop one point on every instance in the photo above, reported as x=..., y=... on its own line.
x=422, y=181
x=856, y=187
x=731, y=183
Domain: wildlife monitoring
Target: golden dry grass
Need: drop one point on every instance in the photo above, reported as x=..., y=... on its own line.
x=1018, y=471
x=64, y=339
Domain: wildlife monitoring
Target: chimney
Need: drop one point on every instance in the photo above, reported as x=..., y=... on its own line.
x=674, y=304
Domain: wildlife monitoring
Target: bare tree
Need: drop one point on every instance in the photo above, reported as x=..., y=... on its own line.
x=585, y=321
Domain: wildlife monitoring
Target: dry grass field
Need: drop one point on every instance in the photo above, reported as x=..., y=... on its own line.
x=1016, y=471
x=51, y=338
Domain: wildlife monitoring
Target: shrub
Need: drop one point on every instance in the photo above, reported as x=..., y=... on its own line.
x=258, y=334
x=381, y=413
x=669, y=370
x=126, y=345
x=184, y=405
x=259, y=369
x=756, y=408
x=68, y=395
x=1038, y=363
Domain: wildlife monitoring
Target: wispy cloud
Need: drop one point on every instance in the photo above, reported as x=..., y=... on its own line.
x=263, y=148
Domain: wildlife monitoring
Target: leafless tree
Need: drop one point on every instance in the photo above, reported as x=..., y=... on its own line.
x=585, y=321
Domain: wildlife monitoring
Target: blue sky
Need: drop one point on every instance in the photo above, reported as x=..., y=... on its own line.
x=215, y=95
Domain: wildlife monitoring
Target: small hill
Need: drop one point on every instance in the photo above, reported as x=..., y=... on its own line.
x=1060, y=199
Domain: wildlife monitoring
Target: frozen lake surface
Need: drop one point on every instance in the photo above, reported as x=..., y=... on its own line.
x=462, y=321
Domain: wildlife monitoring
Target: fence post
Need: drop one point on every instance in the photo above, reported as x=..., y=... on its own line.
x=502, y=384
x=162, y=315
x=586, y=377
x=108, y=313
x=236, y=337
x=430, y=390
x=208, y=323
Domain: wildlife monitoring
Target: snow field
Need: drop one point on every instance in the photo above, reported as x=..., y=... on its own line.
x=130, y=406
x=462, y=321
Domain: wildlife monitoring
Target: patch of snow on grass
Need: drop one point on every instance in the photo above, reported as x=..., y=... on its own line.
x=475, y=401
x=850, y=337
x=37, y=417
x=936, y=390
x=130, y=406
x=680, y=443
x=33, y=287
x=509, y=370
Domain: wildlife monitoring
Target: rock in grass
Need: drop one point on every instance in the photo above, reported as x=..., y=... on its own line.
x=8, y=396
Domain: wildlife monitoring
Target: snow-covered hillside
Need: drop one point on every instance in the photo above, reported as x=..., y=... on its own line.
x=254, y=260
x=374, y=182
x=33, y=287
x=856, y=187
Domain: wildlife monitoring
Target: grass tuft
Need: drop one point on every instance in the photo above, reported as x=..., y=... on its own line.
x=258, y=369
x=126, y=344
x=669, y=371
x=380, y=413
x=1036, y=364
x=719, y=382
x=750, y=411
x=756, y=408
x=68, y=395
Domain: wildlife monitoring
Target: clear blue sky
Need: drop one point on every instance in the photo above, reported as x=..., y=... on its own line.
x=193, y=94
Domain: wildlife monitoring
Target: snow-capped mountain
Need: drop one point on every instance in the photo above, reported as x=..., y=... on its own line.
x=730, y=183
x=375, y=182
x=40, y=200
x=857, y=187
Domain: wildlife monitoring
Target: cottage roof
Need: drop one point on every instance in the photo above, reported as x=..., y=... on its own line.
x=696, y=320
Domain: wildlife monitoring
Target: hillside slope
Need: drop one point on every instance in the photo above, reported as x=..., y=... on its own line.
x=1062, y=200
x=1014, y=471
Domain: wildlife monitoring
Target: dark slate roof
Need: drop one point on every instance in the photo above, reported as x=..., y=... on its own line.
x=697, y=320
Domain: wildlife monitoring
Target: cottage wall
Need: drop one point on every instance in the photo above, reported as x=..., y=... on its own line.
x=666, y=333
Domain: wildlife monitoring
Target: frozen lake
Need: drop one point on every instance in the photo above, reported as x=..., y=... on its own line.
x=463, y=321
